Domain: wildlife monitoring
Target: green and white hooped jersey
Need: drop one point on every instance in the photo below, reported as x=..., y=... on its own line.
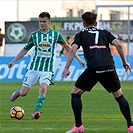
x=44, y=54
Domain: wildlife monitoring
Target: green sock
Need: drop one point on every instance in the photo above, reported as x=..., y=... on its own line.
x=39, y=103
x=19, y=90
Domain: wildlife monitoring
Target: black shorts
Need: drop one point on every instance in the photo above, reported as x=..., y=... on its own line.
x=107, y=77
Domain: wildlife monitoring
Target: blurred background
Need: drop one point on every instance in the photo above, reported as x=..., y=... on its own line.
x=18, y=18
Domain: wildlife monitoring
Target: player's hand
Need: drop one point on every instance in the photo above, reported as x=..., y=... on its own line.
x=82, y=63
x=11, y=64
x=65, y=73
x=127, y=66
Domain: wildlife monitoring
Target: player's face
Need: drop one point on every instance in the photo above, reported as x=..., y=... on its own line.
x=44, y=24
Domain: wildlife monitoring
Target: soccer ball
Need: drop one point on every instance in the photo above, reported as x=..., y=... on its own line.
x=17, y=113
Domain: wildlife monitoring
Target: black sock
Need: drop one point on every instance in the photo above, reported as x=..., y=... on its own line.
x=124, y=107
x=77, y=108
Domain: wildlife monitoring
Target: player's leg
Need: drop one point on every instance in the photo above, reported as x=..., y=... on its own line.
x=15, y=95
x=77, y=105
x=124, y=107
x=30, y=79
x=20, y=92
x=40, y=100
x=111, y=83
x=85, y=82
x=45, y=81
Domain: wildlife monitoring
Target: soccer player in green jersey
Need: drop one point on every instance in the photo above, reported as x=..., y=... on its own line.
x=41, y=66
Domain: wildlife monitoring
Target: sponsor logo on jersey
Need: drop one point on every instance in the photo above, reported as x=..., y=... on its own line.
x=44, y=54
x=44, y=45
x=96, y=46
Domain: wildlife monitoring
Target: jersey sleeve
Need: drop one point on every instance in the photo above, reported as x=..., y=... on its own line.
x=77, y=40
x=111, y=37
x=29, y=44
x=61, y=40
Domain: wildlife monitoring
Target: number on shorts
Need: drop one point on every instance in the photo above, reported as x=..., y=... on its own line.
x=25, y=78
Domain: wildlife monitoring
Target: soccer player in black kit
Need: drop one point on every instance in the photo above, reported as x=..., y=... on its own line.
x=100, y=68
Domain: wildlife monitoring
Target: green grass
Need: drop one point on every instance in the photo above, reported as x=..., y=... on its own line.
x=100, y=111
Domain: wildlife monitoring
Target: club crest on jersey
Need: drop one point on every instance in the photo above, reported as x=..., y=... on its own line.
x=44, y=45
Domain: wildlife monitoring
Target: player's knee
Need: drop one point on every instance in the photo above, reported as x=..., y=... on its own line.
x=77, y=91
x=117, y=93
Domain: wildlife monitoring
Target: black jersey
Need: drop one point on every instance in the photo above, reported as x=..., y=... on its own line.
x=95, y=43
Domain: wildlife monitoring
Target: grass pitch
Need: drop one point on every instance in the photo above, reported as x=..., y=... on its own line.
x=101, y=113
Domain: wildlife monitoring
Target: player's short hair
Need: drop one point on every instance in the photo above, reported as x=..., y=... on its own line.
x=68, y=37
x=44, y=14
x=89, y=18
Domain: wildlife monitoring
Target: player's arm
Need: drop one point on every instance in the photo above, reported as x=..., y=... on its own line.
x=22, y=53
x=68, y=48
x=71, y=55
x=120, y=50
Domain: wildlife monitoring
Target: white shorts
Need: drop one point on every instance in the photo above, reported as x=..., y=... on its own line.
x=32, y=77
